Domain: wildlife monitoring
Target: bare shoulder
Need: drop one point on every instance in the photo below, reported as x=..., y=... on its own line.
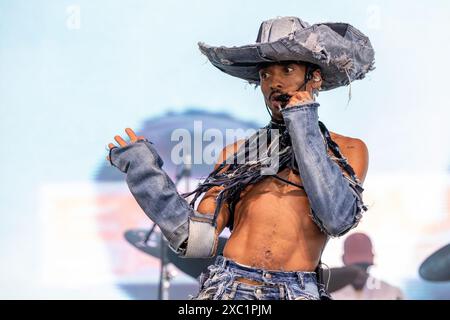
x=349, y=144
x=356, y=152
x=229, y=150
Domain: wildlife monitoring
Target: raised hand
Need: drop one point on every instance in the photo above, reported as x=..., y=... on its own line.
x=122, y=142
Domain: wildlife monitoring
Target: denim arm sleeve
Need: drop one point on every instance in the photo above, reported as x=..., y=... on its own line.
x=189, y=233
x=336, y=204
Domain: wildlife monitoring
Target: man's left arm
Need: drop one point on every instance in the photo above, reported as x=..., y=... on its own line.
x=335, y=200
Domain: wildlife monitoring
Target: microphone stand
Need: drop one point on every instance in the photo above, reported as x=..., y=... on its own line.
x=164, y=274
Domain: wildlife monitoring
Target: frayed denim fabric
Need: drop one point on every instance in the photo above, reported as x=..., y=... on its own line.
x=335, y=200
x=158, y=197
x=219, y=282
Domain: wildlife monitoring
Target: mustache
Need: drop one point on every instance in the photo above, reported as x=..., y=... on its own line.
x=282, y=97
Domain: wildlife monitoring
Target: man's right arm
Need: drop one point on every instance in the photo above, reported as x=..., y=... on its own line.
x=159, y=199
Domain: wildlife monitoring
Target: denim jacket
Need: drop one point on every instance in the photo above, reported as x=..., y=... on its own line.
x=335, y=203
x=153, y=189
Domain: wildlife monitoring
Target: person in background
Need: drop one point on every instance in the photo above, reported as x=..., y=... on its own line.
x=358, y=254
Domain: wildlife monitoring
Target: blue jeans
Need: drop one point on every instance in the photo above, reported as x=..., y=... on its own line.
x=219, y=283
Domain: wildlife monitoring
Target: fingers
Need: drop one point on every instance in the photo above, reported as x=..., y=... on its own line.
x=110, y=146
x=300, y=97
x=294, y=94
x=304, y=95
x=120, y=141
x=131, y=134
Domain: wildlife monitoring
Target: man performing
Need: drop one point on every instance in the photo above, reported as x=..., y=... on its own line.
x=280, y=222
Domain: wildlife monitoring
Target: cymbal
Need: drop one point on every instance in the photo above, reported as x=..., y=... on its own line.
x=191, y=266
x=437, y=266
x=341, y=277
x=137, y=239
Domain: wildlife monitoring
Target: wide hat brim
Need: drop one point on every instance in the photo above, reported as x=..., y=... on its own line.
x=343, y=53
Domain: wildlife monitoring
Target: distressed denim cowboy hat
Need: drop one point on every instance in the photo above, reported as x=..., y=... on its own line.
x=342, y=52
